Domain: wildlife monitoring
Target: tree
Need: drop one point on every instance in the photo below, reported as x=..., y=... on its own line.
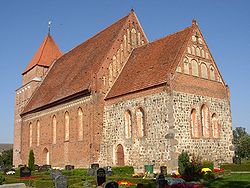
x=183, y=160
x=6, y=158
x=241, y=140
x=31, y=163
x=243, y=146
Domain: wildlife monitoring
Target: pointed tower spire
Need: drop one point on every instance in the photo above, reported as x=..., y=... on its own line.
x=45, y=55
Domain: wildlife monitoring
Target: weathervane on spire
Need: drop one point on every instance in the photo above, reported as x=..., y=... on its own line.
x=49, y=26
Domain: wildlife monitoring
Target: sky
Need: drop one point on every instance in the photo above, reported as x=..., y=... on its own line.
x=225, y=24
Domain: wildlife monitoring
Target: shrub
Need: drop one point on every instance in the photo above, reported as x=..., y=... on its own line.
x=2, y=179
x=31, y=162
x=183, y=160
x=124, y=170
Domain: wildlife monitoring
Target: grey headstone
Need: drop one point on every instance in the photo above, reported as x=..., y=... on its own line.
x=61, y=182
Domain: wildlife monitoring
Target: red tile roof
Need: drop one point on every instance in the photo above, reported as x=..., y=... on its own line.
x=73, y=72
x=45, y=55
x=149, y=65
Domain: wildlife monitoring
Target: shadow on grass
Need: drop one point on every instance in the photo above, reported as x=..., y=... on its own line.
x=229, y=184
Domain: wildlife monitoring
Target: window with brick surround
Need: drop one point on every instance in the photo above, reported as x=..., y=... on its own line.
x=204, y=71
x=38, y=132
x=133, y=38
x=140, y=122
x=80, y=124
x=215, y=126
x=212, y=73
x=128, y=124
x=54, y=129
x=66, y=121
x=205, y=121
x=194, y=68
x=194, y=124
x=198, y=53
x=186, y=66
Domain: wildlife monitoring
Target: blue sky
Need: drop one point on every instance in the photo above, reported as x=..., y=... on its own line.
x=225, y=25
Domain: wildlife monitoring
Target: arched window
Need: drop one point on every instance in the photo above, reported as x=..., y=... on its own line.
x=186, y=66
x=203, y=71
x=133, y=38
x=194, y=68
x=30, y=130
x=212, y=73
x=54, y=129
x=80, y=124
x=128, y=41
x=205, y=121
x=198, y=53
x=193, y=50
x=66, y=121
x=215, y=126
x=139, y=38
x=202, y=53
x=128, y=124
x=45, y=156
x=140, y=122
x=110, y=74
x=38, y=133
x=194, y=124
x=114, y=66
x=125, y=44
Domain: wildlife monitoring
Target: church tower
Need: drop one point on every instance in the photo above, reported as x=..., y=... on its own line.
x=47, y=53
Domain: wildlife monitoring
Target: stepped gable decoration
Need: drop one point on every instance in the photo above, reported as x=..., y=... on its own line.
x=149, y=65
x=46, y=54
x=76, y=70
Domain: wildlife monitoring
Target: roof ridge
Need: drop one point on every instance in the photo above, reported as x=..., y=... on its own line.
x=46, y=39
x=95, y=35
x=189, y=27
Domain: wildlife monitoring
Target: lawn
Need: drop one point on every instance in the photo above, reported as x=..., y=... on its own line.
x=233, y=180
x=78, y=178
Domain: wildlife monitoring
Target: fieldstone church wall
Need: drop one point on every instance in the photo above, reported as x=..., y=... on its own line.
x=167, y=130
x=219, y=149
x=157, y=143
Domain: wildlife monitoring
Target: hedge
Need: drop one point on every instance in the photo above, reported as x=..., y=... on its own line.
x=236, y=167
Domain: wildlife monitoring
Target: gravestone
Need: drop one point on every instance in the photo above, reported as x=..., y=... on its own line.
x=108, y=170
x=54, y=174
x=25, y=172
x=36, y=167
x=236, y=159
x=44, y=168
x=95, y=166
x=110, y=184
x=61, y=182
x=69, y=167
x=92, y=169
x=160, y=181
x=100, y=176
x=163, y=170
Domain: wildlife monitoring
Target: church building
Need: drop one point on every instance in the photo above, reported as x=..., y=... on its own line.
x=118, y=99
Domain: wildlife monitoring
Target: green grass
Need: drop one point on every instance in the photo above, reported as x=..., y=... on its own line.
x=227, y=180
x=231, y=181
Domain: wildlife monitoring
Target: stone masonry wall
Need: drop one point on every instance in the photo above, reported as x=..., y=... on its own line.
x=208, y=148
x=157, y=144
